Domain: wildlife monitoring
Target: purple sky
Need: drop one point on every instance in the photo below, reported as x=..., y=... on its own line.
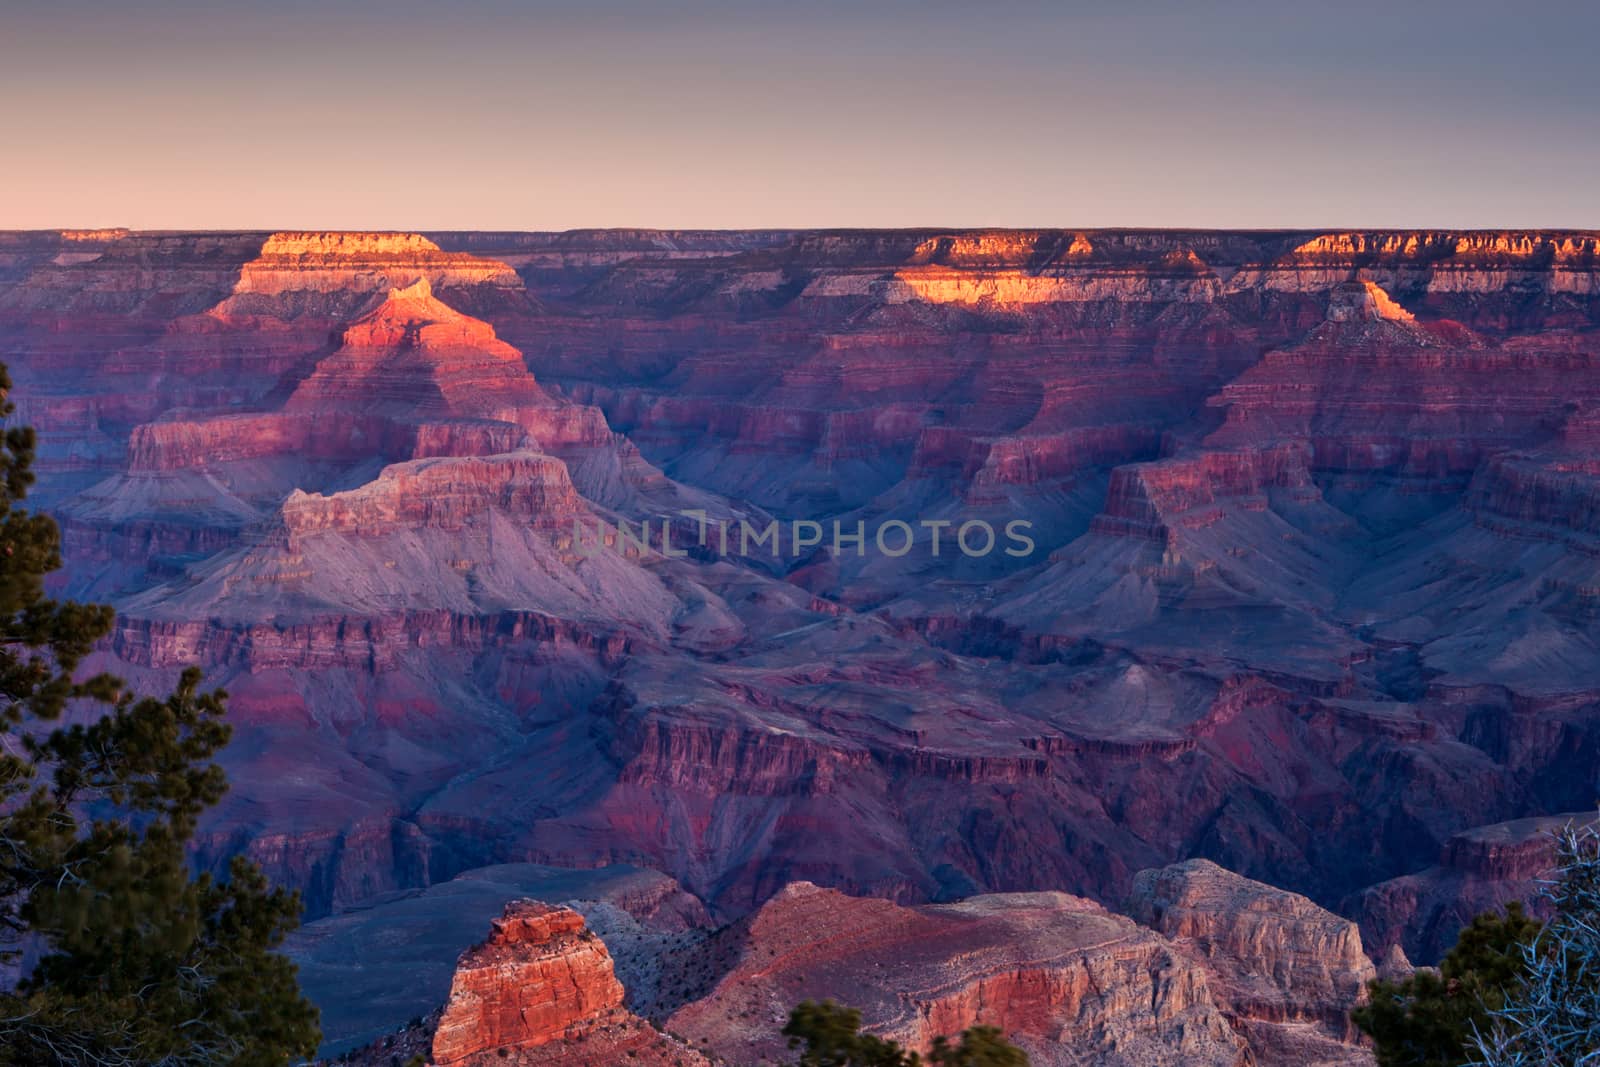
x=494, y=115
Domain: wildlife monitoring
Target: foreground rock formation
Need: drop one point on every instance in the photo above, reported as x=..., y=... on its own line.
x=1311, y=591
x=1065, y=979
x=373, y=968
x=1232, y=973
x=541, y=990
x=1288, y=971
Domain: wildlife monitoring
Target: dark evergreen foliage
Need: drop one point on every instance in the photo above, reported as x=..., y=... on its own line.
x=831, y=1036
x=116, y=954
x=1429, y=1019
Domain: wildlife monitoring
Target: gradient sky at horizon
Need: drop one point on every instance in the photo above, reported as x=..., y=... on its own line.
x=487, y=114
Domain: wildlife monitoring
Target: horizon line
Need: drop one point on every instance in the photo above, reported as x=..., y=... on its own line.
x=920, y=228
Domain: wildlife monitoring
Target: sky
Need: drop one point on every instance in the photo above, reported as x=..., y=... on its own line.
x=488, y=114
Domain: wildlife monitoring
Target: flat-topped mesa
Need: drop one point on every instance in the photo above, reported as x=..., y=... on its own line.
x=443, y=493
x=320, y=245
x=540, y=977
x=542, y=990
x=363, y=262
x=299, y=286
x=987, y=461
x=188, y=444
x=1523, y=849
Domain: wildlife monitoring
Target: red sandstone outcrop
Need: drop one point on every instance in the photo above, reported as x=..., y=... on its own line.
x=211, y=323
x=414, y=355
x=1152, y=499
x=541, y=990
x=540, y=977
x=413, y=377
x=411, y=360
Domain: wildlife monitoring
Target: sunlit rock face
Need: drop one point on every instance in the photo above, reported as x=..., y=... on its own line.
x=540, y=990
x=537, y=979
x=1310, y=594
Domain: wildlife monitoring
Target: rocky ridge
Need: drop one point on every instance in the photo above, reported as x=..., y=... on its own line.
x=1234, y=972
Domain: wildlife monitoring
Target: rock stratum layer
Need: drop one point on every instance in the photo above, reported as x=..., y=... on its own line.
x=1311, y=591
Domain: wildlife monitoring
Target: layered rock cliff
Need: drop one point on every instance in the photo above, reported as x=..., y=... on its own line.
x=1233, y=972
x=540, y=977
x=1063, y=978
x=1288, y=971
